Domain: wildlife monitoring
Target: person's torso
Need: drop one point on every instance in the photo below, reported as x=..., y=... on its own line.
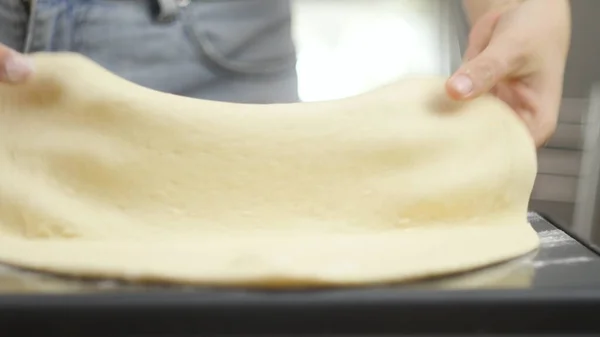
x=237, y=50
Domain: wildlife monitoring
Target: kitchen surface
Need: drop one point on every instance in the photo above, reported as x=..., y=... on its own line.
x=560, y=262
x=548, y=291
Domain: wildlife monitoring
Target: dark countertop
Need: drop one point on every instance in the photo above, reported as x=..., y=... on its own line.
x=552, y=291
x=561, y=261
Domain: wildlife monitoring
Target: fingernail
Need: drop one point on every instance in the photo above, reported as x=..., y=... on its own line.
x=17, y=68
x=462, y=84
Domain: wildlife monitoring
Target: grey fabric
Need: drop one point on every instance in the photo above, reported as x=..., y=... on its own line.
x=237, y=50
x=13, y=24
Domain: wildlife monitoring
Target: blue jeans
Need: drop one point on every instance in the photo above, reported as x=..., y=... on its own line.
x=227, y=50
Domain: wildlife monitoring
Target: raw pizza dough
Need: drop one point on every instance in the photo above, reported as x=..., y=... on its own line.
x=103, y=178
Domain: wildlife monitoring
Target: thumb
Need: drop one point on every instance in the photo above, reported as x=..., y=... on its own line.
x=14, y=67
x=498, y=61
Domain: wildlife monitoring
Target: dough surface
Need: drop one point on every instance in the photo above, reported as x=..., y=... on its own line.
x=103, y=178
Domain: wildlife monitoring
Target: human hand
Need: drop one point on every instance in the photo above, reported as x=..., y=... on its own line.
x=14, y=67
x=519, y=55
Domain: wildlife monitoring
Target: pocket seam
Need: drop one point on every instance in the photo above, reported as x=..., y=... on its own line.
x=208, y=50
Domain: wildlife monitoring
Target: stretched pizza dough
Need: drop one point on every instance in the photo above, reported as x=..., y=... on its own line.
x=103, y=178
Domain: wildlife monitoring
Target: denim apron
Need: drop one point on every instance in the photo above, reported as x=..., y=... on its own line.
x=228, y=50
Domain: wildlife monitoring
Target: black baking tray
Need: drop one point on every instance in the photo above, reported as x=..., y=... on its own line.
x=559, y=294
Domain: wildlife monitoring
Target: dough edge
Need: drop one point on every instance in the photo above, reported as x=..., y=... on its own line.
x=344, y=260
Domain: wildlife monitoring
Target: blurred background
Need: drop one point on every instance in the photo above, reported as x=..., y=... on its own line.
x=346, y=47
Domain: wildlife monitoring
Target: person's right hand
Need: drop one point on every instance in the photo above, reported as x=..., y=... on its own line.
x=14, y=67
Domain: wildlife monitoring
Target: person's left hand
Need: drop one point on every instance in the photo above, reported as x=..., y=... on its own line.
x=519, y=55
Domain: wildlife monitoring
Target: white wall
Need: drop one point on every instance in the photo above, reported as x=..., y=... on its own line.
x=346, y=47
